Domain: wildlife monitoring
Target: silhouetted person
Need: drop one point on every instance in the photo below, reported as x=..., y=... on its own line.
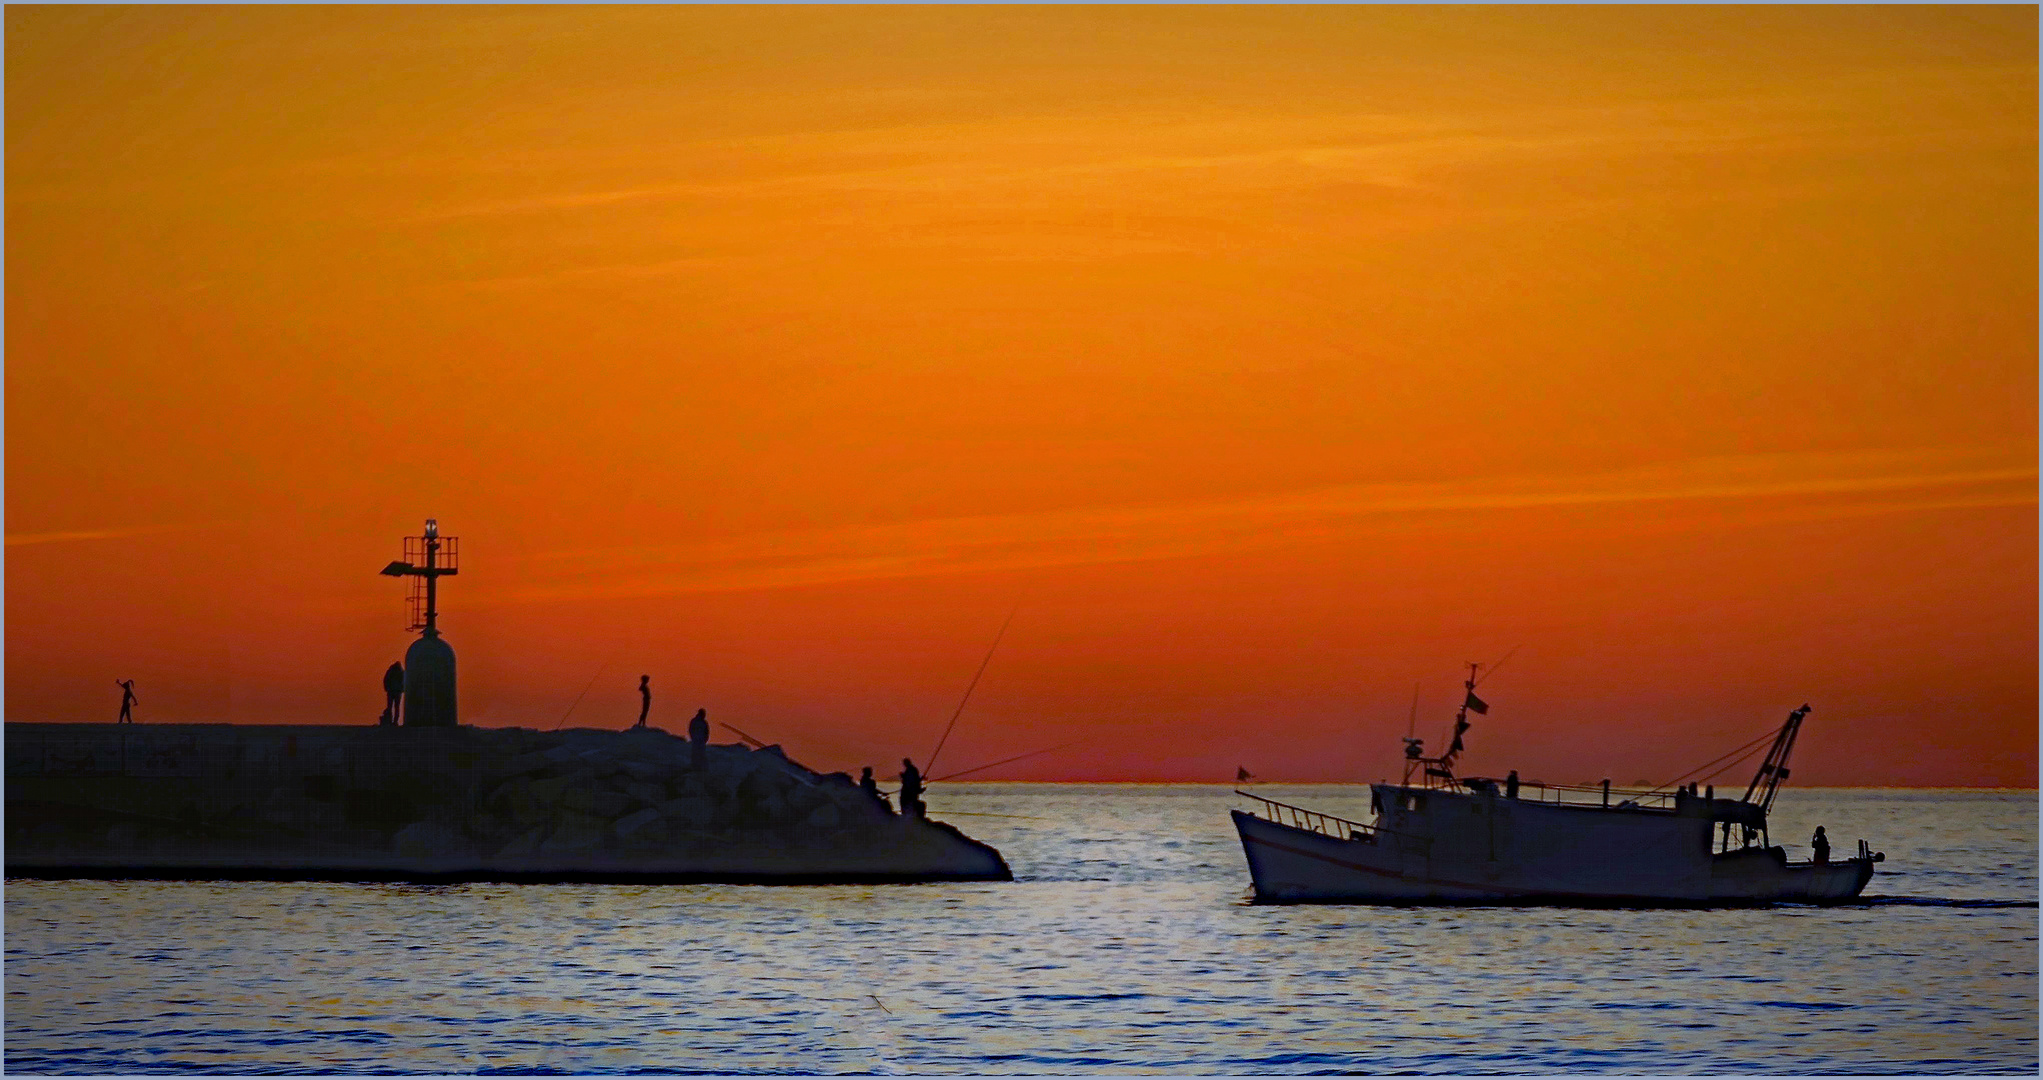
x=393, y=692
x=1822, y=845
x=1511, y=785
x=128, y=701
x=698, y=739
x=645, y=699
x=871, y=787
x=911, y=789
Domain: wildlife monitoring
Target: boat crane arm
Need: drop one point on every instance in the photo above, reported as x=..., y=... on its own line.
x=1775, y=768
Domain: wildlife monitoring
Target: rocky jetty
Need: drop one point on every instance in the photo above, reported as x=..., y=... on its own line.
x=449, y=804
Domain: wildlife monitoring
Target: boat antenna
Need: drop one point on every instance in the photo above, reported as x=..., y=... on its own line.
x=1498, y=664
x=585, y=693
x=1414, y=746
x=960, y=711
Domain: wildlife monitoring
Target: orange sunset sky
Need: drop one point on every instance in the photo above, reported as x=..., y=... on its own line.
x=1272, y=360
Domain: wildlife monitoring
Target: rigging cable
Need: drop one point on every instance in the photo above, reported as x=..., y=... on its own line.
x=1743, y=751
x=1741, y=759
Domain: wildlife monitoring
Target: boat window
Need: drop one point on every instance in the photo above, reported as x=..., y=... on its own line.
x=1411, y=802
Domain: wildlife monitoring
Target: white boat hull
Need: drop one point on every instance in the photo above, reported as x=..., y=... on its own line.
x=1455, y=848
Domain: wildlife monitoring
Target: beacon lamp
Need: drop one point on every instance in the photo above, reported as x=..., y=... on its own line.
x=432, y=528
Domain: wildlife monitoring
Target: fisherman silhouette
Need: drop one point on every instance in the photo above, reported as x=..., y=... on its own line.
x=645, y=699
x=1511, y=785
x=871, y=787
x=393, y=693
x=911, y=789
x=128, y=701
x=698, y=739
x=1822, y=845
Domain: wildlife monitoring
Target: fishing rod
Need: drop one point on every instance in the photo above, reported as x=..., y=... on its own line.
x=756, y=744
x=972, y=686
x=585, y=693
x=1003, y=761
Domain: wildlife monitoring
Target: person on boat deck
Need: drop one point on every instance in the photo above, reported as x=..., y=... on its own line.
x=645, y=699
x=1822, y=845
x=698, y=739
x=911, y=789
x=1511, y=785
x=871, y=787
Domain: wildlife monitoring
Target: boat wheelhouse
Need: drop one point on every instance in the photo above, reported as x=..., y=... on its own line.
x=1436, y=837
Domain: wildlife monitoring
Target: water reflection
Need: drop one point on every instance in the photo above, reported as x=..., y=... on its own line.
x=1127, y=947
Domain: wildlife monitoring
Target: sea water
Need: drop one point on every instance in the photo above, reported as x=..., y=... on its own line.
x=1125, y=945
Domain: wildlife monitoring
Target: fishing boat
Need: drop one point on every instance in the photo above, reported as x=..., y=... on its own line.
x=1438, y=838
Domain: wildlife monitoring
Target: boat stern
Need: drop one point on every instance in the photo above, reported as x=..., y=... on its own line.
x=1762, y=875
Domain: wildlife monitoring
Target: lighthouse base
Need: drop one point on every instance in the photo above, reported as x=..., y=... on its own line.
x=429, y=683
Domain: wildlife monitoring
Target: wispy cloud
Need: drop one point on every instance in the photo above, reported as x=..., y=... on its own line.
x=1391, y=150
x=79, y=535
x=1050, y=179
x=1813, y=485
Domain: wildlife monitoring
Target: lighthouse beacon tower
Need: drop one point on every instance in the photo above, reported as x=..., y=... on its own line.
x=429, y=663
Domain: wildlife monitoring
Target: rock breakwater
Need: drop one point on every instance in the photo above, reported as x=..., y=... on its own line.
x=378, y=803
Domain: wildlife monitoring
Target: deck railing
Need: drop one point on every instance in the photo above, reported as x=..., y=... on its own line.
x=1560, y=794
x=1339, y=828
x=1299, y=817
x=1595, y=794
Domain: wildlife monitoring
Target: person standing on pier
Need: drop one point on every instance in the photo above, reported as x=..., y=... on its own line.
x=128, y=701
x=645, y=699
x=698, y=740
x=911, y=789
x=393, y=693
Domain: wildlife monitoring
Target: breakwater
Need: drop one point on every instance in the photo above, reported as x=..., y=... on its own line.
x=383, y=803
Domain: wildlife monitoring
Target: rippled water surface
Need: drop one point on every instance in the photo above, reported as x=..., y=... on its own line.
x=1125, y=946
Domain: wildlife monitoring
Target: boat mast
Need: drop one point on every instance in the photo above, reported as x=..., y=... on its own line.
x=1442, y=767
x=1461, y=717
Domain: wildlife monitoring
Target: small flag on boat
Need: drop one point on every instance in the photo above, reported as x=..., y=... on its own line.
x=1242, y=775
x=1476, y=704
